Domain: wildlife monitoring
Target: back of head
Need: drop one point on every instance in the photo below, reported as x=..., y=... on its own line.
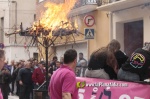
x=108, y=56
x=98, y=53
x=113, y=46
x=69, y=56
x=146, y=46
x=81, y=53
x=2, y=53
x=55, y=58
x=42, y=63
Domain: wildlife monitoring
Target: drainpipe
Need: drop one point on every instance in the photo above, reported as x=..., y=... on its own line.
x=110, y=26
x=15, y=19
x=87, y=50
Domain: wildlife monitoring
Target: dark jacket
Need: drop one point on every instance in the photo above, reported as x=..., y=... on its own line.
x=121, y=58
x=97, y=63
x=139, y=63
x=5, y=78
x=15, y=74
x=25, y=75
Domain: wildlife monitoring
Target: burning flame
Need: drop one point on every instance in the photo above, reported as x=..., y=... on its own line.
x=55, y=15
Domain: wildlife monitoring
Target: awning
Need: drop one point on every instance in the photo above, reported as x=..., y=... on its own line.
x=83, y=9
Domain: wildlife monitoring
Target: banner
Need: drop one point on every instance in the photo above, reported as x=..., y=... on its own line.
x=92, y=88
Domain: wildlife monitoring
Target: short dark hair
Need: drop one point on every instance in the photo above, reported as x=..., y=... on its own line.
x=69, y=56
x=81, y=53
x=55, y=57
x=2, y=52
x=42, y=62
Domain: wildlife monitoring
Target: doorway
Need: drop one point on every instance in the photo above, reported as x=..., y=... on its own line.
x=35, y=56
x=133, y=36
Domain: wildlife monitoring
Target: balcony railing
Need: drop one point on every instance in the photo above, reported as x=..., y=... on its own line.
x=104, y=2
x=81, y=3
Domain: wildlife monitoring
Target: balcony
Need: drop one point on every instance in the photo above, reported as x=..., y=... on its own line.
x=105, y=2
x=116, y=5
x=81, y=3
x=84, y=6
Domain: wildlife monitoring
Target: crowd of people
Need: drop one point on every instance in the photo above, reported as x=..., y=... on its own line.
x=24, y=76
x=105, y=63
x=108, y=62
x=111, y=63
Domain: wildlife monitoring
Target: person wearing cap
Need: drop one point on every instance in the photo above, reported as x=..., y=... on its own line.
x=38, y=76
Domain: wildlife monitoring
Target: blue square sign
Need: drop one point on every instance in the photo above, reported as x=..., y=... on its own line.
x=89, y=33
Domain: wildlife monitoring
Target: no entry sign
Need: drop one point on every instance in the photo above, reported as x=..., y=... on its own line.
x=89, y=20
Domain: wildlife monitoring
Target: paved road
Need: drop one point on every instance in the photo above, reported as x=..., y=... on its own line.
x=13, y=97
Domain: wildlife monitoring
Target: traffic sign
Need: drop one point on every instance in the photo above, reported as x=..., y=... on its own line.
x=89, y=20
x=1, y=45
x=89, y=33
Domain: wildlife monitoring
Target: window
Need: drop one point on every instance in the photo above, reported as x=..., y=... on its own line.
x=35, y=56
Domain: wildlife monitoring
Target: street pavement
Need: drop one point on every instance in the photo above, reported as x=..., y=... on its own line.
x=13, y=97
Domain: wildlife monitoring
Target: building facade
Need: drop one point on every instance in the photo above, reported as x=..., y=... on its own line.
x=13, y=13
x=129, y=23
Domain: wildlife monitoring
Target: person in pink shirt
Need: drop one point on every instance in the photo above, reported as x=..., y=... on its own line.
x=2, y=61
x=63, y=81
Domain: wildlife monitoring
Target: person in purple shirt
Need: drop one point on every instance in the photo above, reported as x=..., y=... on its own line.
x=7, y=66
x=2, y=61
x=63, y=81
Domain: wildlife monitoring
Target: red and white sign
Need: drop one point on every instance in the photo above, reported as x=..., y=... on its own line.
x=92, y=88
x=89, y=20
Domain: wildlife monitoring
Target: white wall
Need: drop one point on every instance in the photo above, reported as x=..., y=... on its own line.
x=129, y=15
x=80, y=47
x=4, y=12
x=25, y=14
x=120, y=34
x=16, y=53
